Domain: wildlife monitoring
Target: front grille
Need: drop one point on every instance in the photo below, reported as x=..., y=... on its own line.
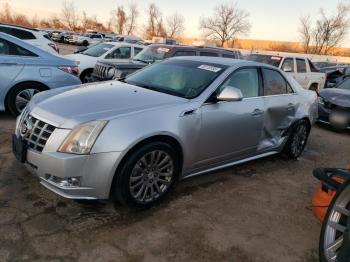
x=100, y=71
x=39, y=134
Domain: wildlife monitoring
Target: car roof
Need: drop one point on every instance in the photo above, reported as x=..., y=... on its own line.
x=21, y=27
x=197, y=48
x=122, y=43
x=222, y=61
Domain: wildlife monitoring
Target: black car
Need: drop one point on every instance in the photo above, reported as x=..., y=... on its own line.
x=107, y=70
x=334, y=105
x=335, y=75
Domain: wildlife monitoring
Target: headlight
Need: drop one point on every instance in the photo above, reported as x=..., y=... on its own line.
x=110, y=72
x=117, y=74
x=81, y=139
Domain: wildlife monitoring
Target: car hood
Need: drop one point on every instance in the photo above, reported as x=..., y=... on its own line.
x=336, y=96
x=67, y=107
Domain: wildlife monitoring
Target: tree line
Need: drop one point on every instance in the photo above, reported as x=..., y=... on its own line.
x=224, y=25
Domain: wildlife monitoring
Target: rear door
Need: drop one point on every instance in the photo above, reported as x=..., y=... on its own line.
x=232, y=130
x=281, y=103
x=11, y=64
x=302, y=76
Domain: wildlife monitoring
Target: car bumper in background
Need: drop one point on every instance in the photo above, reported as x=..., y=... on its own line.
x=325, y=114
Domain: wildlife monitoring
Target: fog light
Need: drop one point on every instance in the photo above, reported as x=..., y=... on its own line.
x=64, y=182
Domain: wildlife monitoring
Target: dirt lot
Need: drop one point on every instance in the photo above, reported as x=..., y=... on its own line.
x=258, y=211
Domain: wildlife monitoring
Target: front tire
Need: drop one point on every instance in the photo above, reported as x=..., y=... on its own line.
x=297, y=140
x=334, y=232
x=147, y=176
x=20, y=95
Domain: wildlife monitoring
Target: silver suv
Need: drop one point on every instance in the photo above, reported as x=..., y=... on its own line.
x=130, y=141
x=26, y=70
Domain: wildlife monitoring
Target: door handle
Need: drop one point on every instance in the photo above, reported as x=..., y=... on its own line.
x=257, y=112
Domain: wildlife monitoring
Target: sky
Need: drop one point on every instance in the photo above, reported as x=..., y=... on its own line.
x=270, y=19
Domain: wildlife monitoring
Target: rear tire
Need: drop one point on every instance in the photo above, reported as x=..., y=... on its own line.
x=147, y=176
x=19, y=96
x=86, y=76
x=297, y=140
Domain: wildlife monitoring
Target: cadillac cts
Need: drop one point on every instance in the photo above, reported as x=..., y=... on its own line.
x=132, y=140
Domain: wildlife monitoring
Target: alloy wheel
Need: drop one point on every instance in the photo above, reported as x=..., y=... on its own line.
x=151, y=176
x=336, y=225
x=23, y=98
x=299, y=140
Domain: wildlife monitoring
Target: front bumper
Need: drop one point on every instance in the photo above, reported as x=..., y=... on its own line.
x=95, y=171
x=324, y=115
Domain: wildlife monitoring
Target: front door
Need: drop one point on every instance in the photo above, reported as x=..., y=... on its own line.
x=232, y=130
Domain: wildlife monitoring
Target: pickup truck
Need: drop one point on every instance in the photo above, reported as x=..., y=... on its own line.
x=152, y=54
x=300, y=68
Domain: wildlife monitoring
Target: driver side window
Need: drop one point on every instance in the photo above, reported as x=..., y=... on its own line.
x=246, y=80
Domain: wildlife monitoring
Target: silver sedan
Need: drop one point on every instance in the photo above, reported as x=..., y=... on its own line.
x=182, y=117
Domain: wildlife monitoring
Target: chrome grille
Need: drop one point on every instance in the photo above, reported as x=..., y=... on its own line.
x=38, y=136
x=100, y=71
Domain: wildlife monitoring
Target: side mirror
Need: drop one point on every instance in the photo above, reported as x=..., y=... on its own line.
x=287, y=69
x=230, y=93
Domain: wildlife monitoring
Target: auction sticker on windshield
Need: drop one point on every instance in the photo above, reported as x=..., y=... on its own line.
x=210, y=68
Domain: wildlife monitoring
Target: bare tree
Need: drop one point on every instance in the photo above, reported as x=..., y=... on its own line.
x=305, y=32
x=120, y=20
x=155, y=25
x=6, y=15
x=330, y=31
x=227, y=23
x=175, y=25
x=132, y=16
x=69, y=15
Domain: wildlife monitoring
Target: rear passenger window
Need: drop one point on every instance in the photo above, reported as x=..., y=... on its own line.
x=22, y=34
x=208, y=54
x=275, y=84
x=185, y=53
x=301, y=65
x=288, y=65
x=8, y=48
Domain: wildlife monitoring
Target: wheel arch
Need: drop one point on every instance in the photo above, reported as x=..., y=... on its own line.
x=166, y=138
x=82, y=74
x=45, y=87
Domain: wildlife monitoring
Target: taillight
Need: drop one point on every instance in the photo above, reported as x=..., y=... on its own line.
x=70, y=70
x=54, y=47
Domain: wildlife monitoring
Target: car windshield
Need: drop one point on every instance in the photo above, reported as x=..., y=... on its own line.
x=345, y=85
x=266, y=59
x=152, y=54
x=98, y=50
x=181, y=78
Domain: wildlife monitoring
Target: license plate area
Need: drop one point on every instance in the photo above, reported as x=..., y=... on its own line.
x=19, y=148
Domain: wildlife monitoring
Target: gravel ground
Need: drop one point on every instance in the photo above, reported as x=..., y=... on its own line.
x=256, y=212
